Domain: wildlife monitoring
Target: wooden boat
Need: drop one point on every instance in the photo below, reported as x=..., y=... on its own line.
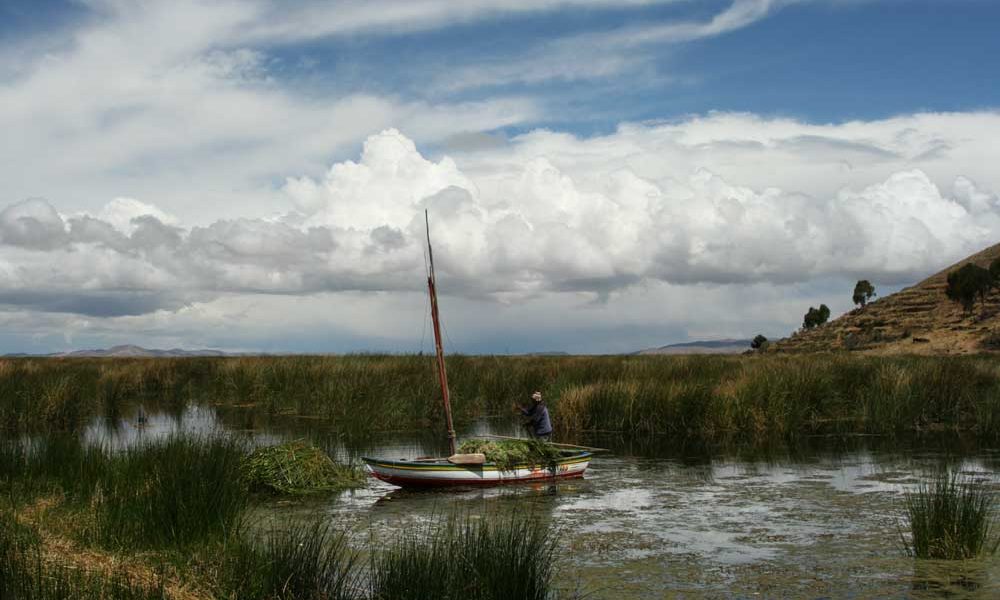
x=442, y=472
x=466, y=469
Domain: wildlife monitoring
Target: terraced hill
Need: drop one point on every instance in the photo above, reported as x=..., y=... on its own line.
x=919, y=320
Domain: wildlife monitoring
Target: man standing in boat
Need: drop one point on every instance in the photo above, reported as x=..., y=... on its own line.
x=538, y=423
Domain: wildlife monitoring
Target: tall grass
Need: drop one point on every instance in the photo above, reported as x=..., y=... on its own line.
x=25, y=574
x=694, y=397
x=490, y=559
x=307, y=561
x=950, y=518
x=168, y=493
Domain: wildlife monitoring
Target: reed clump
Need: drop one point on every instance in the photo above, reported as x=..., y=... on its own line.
x=489, y=559
x=297, y=468
x=307, y=561
x=950, y=518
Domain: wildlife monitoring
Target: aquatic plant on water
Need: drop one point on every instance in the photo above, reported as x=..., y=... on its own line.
x=509, y=454
x=952, y=517
x=298, y=468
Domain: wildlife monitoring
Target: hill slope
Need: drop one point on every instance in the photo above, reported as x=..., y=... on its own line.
x=919, y=319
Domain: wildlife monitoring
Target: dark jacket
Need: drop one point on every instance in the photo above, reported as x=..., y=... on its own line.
x=538, y=417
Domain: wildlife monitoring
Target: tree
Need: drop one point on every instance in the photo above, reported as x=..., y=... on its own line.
x=824, y=314
x=995, y=272
x=864, y=290
x=966, y=283
x=759, y=342
x=816, y=316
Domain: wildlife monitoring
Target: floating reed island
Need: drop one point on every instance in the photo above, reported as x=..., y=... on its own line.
x=701, y=398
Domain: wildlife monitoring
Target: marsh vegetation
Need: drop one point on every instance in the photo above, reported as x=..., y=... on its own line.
x=180, y=516
x=700, y=397
x=181, y=508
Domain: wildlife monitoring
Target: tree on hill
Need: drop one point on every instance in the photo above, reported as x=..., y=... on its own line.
x=966, y=283
x=816, y=316
x=863, y=292
x=995, y=272
x=759, y=342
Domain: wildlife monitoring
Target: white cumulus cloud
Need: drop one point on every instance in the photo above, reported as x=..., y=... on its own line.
x=546, y=214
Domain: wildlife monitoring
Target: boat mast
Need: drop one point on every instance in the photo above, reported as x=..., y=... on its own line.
x=442, y=373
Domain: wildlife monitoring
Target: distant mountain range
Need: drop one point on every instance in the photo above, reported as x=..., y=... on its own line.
x=701, y=347
x=130, y=351
x=133, y=351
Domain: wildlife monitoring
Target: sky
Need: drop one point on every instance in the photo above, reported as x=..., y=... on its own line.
x=601, y=176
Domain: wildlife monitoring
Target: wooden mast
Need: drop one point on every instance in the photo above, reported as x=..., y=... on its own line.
x=442, y=373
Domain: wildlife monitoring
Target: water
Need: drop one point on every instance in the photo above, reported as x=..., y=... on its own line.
x=653, y=520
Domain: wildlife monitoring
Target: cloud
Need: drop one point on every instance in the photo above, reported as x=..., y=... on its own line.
x=546, y=214
x=142, y=99
x=312, y=19
x=33, y=224
x=603, y=54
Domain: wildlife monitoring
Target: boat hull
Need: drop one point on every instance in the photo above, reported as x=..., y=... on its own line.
x=442, y=473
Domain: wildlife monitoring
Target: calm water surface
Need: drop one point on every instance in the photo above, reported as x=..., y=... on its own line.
x=651, y=520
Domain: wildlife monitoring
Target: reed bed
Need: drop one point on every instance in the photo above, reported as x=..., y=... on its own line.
x=693, y=397
x=950, y=518
x=163, y=494
x=489, y=559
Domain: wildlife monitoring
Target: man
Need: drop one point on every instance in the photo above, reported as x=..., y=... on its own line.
x=538, y=423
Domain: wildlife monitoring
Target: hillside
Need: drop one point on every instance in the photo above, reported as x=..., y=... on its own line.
x=919, y=319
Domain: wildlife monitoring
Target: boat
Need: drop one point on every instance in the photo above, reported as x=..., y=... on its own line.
x=467, y=469
x=443, y=472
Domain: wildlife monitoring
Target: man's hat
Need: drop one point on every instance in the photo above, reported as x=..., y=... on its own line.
x=537, y=396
